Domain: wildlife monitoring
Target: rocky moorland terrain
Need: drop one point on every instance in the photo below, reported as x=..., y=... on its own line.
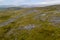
x=38, y=23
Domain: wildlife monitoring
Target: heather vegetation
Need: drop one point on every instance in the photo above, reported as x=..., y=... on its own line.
x=30, y=23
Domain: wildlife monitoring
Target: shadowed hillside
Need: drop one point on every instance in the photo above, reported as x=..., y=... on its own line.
x=38, y=23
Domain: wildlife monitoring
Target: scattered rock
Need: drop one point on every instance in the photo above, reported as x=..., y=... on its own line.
x=55, y=19
x=29, y=27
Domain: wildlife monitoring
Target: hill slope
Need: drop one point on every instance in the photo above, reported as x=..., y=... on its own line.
x=39, y=23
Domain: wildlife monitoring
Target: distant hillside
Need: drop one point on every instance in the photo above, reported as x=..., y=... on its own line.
x=11, y=8
x=2, y=7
